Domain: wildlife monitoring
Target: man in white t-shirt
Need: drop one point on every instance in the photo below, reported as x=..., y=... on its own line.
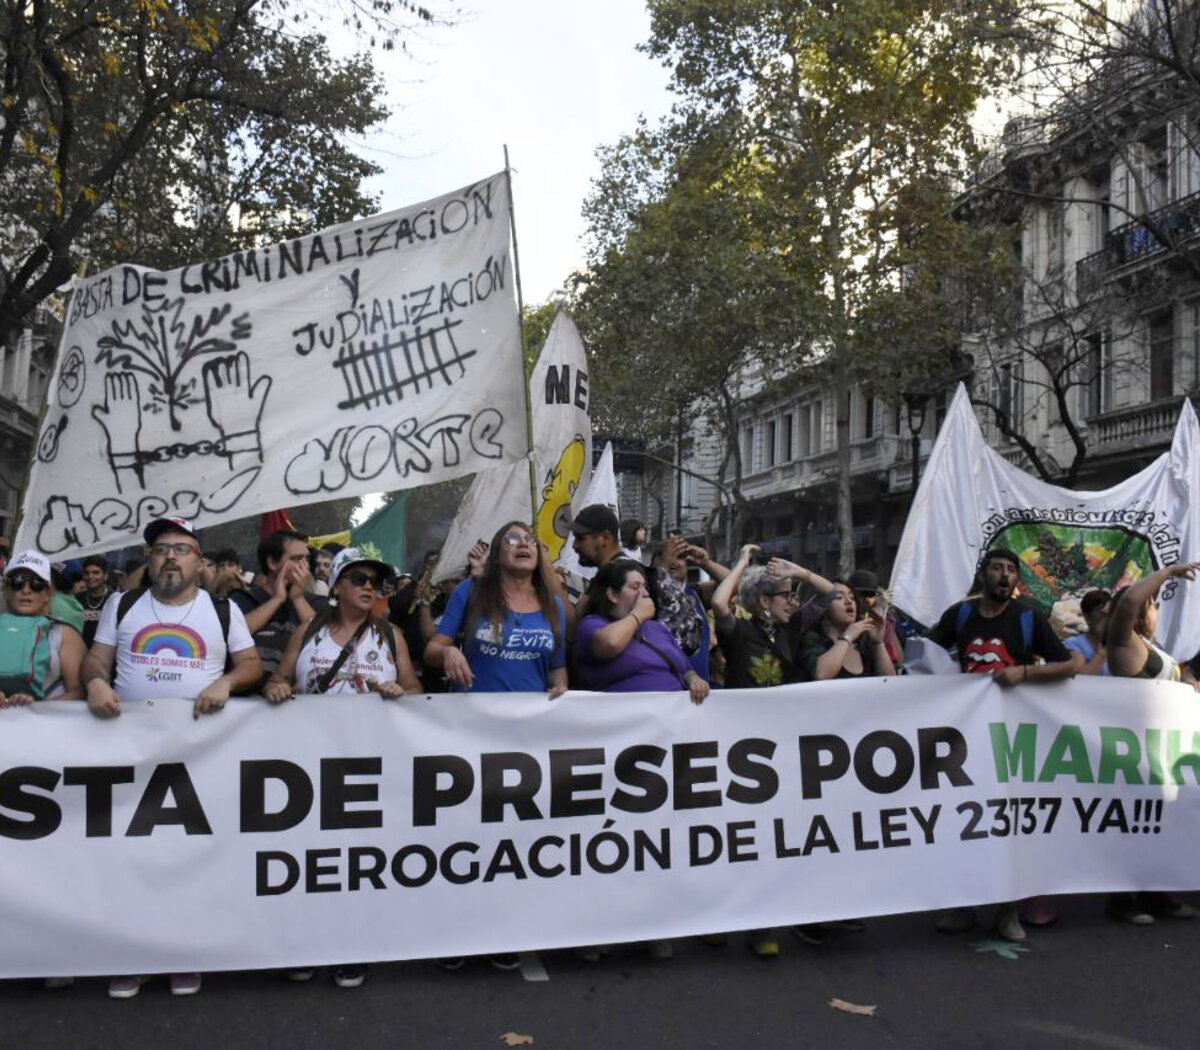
x=169, y=640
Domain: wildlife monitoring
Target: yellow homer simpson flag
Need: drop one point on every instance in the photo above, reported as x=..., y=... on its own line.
x=562, y=451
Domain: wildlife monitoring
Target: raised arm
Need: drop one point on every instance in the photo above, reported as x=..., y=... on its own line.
x=783, y=569
x=727, y=588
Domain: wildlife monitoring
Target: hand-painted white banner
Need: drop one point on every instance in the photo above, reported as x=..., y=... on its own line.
x=971, y=499
x=380, y=354
x=347, y=829
x=562, y=449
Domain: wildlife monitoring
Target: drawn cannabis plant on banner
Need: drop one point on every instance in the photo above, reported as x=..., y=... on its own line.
x=162, y=343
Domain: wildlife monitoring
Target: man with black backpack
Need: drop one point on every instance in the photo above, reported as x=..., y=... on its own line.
x=993, y=634
x=170, y=638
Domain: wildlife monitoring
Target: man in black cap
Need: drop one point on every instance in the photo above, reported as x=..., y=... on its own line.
x=994, y=635
x=597, y=535
x=171, y=638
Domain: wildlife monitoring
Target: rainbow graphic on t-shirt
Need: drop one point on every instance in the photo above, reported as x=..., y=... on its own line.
x=158, y=638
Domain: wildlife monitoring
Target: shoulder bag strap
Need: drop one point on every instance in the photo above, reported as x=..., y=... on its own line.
x=326, y=680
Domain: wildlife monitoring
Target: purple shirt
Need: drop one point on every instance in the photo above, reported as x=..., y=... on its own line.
x=638, y=669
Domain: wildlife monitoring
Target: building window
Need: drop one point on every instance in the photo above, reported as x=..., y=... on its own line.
x=868, y=427
x=1162, y=355
x=771, y=442
x=748, y=448
x=818, y=436
x=786, y=457
x=1098, y=374
x=1010, y=393
x=805, y=435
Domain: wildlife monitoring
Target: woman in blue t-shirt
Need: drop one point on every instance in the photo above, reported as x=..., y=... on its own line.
x=505, y=631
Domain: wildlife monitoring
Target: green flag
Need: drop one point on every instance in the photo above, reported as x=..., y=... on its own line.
x=387, y=531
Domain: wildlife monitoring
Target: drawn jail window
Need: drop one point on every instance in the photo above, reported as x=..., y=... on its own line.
x=378, y=371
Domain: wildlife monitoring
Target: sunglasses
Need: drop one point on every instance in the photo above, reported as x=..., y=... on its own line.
x=519, y=539
x=19, y=581
x=180, y=550
x=358, y=578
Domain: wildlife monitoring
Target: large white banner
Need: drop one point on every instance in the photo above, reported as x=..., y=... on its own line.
x=972, y=499
x=380, y=354
x=562, y=454
x=346, y=829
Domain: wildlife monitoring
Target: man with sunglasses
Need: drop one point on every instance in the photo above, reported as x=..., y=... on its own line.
x=169, y=640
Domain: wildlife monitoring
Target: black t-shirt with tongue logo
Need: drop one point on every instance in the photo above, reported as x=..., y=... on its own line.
x=986, y=643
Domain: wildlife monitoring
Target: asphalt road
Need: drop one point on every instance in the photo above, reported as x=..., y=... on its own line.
x=1084, y=982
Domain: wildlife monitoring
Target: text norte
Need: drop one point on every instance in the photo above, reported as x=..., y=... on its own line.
x=278, y=795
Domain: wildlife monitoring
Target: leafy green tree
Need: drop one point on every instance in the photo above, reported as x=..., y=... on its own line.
x=844, y=106
x=156, y=132
x=686, y=288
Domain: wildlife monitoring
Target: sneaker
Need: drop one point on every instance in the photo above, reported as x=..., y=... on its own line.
x=350, y=976
x=810, y=933
x=1170, y=908
x=505, y=961
x=185, y=983
x=124, y=987
x=661, y=951
x=301, y=973
x=57, y=982
x=450, y=963
x=957, y=920
x=1008, y=924
x=1125, y=907
x=763, y=943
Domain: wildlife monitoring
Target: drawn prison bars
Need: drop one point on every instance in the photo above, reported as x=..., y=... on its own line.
x=374, y=373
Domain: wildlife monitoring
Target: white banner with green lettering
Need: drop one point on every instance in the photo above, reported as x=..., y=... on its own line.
x=352, y=829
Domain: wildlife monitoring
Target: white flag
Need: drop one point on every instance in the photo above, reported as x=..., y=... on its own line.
x=380, y=354
x=562, y=439
x=603, y=489
x=971, y=499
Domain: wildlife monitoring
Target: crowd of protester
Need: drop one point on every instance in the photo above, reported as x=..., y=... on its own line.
x=302, y=621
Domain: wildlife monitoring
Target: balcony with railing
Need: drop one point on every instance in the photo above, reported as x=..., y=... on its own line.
x=1133, y=243
x=1143, y=426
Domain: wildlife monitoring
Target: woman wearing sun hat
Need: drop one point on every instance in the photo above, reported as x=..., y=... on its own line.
x=345, y=649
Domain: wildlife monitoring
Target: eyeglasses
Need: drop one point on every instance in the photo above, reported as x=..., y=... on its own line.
x=19, y=581
x=520, y=539
x=361, y=579
x=789, y=595
x=180, y=550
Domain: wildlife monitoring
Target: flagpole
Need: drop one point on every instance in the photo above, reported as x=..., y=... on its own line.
x=512, y=226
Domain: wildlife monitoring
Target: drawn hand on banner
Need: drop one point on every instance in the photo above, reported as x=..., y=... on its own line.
x=231, y=399
x=121, y=419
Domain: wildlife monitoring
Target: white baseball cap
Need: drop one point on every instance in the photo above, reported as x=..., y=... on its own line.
x=31, y=561
x=349, y=556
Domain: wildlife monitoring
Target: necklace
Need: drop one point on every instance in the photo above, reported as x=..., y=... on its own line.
x=159, y=616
